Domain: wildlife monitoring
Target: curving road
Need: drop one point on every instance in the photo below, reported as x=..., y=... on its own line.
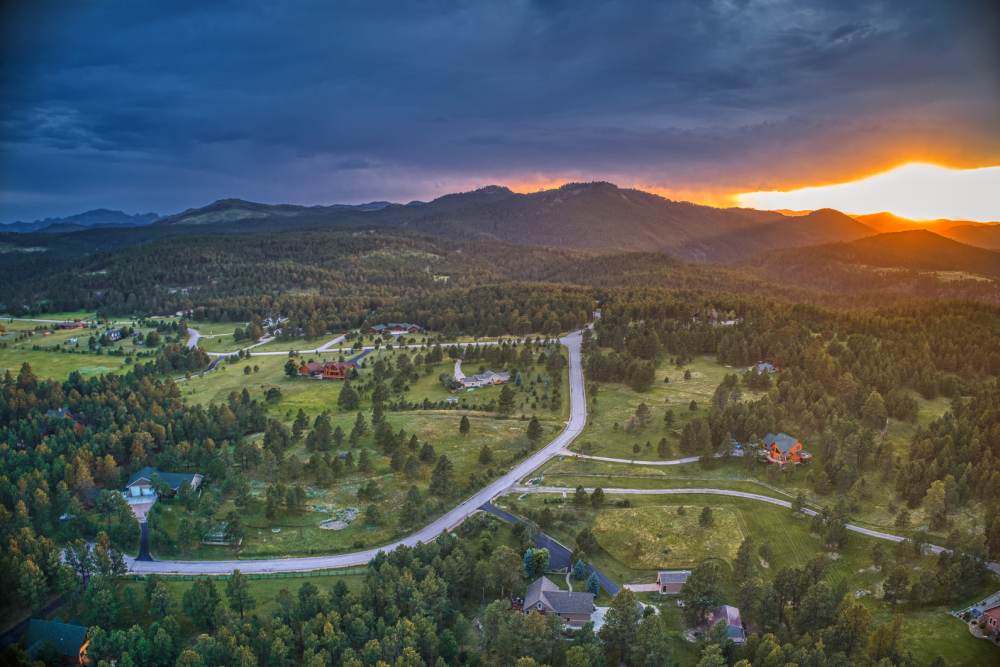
x=931, y=548
x=455, y=516
x=608, y=459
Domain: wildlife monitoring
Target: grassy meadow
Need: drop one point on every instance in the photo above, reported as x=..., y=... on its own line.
x=290, y=534
x=613, y=404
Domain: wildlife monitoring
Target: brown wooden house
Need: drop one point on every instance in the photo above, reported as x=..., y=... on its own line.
x=331, y=370
x=782, y=448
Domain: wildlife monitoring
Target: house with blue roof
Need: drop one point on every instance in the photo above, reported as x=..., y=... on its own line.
x=782, y=448
x=140, y=484
x=65, y=639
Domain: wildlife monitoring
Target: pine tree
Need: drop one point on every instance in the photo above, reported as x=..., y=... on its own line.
x=238, y=593
x=463, y=425
x=505, y=405
x=534, y=429
x=442, y=478
x=348, y=398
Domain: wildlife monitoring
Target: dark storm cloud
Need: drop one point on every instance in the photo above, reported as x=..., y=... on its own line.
x=167, y=105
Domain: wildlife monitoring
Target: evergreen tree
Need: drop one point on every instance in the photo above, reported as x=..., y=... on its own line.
x=534, y=429
x=238, y=593
x=442, y=478
x=505, y=405
x=348, y=398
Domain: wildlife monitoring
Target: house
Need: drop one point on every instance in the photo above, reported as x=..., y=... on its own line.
x=330, y=370
x=113, y=334
x=75, y=324
x=64, y=413
x=140, y=484
x=545, y=597
x=672, y=581
x=734, y=625
x=396, y=328
x=452, y=400
x=764, y=367
x=990, y=621
x=484, y=379
x=69, y=641
x=783, y=448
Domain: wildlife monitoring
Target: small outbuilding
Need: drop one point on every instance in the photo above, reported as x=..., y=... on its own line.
x=670, y=582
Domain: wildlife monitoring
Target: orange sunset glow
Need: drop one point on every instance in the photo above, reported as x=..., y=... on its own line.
x=917, y=190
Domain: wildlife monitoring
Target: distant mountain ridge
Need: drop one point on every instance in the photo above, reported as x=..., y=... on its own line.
x=981, y=234
x=232, y=210
x=596, y=216
x=100, y=217
x=915, y=261
x=593, y=216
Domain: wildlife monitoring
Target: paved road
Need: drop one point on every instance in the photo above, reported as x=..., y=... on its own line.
x=608, y=459
x=458, y=374
x=931, y=548
x=575, y=425
x=412, y=346
x=193, y=336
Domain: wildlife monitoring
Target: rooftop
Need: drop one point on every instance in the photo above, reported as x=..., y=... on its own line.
x=172, y=479
x=562, y=602
x=782, y=440
x=65, y=637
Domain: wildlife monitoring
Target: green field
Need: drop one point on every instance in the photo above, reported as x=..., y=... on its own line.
x=298, y=343
x=788, y=535
x=301, y=533
x=661, y=537
x=58, y=356
x=606, y=434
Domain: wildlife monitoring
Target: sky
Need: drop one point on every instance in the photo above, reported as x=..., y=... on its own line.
x=161, y=106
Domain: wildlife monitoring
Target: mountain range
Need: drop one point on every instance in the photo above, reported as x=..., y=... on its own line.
x=593, y=217
x=100, y=217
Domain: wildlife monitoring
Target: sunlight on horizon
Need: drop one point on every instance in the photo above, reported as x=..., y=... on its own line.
x=917, y=190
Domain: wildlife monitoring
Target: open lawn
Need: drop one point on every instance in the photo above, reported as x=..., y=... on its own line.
x=613, y=404
x=61, y=315
x=930, y=632
x=787, y=534
x=664, y=537
x=214, y=327
x=299, y=343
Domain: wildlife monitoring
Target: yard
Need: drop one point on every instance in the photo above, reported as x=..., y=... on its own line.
x=663, y=537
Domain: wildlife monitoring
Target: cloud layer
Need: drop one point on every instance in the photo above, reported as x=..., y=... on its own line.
x=160, y=106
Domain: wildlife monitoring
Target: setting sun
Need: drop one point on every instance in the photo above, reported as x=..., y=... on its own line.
x=918, y=191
